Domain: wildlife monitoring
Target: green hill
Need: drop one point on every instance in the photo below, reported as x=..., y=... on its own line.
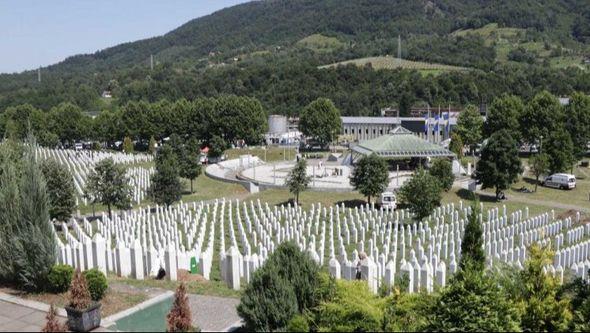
x=262, y=37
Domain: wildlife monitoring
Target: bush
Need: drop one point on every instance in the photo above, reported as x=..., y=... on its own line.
x=79, y=297
x=353, y=309
x=299, y=270
x=60, y=278
x=179, y=317
x=269, y=301
x=298, y=324
x=97, y=283
x=442, y=169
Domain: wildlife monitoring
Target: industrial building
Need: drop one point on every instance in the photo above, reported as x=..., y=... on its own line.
x=435, y=129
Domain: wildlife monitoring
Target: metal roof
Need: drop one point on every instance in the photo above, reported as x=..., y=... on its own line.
x=400, y=142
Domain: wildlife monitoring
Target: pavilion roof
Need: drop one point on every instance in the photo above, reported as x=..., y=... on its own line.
x=401, y=143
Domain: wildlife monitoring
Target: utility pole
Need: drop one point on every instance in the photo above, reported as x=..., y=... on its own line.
x=152, y=62
x=399, y=50
x=39, y=74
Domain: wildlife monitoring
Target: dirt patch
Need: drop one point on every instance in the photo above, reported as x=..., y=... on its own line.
x=584, y=218
x=185, y=276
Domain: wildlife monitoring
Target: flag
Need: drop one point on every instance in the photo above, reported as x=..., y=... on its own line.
x=425, y=123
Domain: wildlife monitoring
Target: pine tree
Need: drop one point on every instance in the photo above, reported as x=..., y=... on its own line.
x=297, y=180
x=53, y=324
x=9, y=212
x=38, y=247
x=79, y=295
x=179, y=317
x=543, y=311
x=472, y=254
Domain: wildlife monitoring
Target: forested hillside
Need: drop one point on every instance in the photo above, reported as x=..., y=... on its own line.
x=271, y=50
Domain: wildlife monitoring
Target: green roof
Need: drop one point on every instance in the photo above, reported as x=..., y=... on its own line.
x=401, y=142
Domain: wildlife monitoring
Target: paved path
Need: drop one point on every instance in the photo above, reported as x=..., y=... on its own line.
x=212, y=313
x=29, y=316
x=18, y=318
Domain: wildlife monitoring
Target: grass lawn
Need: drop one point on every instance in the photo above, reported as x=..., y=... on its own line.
x=280, y=196
x=205, y=187
x=203, y=287
x=456, y=194
x=272, y=153
x=113, y=301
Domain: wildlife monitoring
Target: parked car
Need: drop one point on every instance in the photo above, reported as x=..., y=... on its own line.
x=560, y=180
x=387, y=200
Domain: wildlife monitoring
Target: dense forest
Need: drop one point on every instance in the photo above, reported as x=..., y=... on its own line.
x=252, y=50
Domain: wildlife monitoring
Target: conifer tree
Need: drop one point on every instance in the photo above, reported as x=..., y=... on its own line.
x=38, y=247
x=472, y=255
x=179, y=317
x=297, y=180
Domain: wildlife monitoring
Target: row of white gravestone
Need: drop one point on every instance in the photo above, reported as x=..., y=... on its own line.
x=81, y=163
x=245, y=233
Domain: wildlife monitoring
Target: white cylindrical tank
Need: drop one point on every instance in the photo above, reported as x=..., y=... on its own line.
x=277, y=124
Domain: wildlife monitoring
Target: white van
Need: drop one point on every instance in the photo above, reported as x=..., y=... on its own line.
x=387, y=200
x=561, y=180
x=78, y=146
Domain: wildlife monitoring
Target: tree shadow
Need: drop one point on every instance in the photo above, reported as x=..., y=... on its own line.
x=352, y=203
x=469, y=196
x=529, y=180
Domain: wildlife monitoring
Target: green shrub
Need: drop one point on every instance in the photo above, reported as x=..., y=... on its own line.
x=60, y=278
x=298, y=324
x=97, y=283
x=299, y=270
x=354, y=309
x=269, y=301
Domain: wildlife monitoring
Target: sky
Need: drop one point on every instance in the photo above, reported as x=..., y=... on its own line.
x=36, y=33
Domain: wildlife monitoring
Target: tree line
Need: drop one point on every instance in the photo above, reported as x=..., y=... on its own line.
x=230, y=118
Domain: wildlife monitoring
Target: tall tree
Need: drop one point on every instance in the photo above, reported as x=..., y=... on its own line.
x=239, y=118
x=37, y=244
x=539, y=164
x=422, y=193
x=469, y=126
x=504, y=113
x=321, y=121
x=499, y=165
x=541, y=116
x=560, y=149
x=442, y=170
x=60, y=189
x=472, y=255
x=166, y=187
x=577, y=123
x=456, y=145
x=190, y=165
x=297, y=179
x=108, y=185
x=69, y=123
x=370, y=176
x=9, y=210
